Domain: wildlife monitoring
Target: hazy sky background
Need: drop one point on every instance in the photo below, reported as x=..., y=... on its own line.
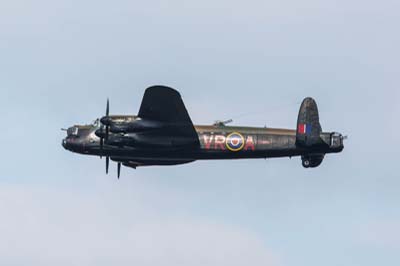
x=60, y=60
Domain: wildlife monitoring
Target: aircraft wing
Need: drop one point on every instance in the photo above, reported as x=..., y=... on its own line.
x=165, y=105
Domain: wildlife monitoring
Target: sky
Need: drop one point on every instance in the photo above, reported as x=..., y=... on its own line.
x=253, y=61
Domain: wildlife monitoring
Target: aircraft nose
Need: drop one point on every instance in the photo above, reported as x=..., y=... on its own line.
x=73, y=144
x=69, y=144
x=64, y=143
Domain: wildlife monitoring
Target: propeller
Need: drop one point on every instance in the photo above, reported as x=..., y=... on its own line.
x=108, y=166
x=101, y=147
x=108, y=119
x=103, y=134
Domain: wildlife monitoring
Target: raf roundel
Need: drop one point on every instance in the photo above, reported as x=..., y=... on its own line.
x=235, y=142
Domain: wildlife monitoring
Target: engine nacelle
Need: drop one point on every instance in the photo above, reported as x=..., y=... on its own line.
x=136, y=126
x=119, y=140
x=148, y=141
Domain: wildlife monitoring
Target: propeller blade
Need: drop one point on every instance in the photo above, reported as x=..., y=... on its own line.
x=104, y=135
x=119, y=170
x=107, y=164
x=107, y=114
x=107, y=132
x=108, y=107
x=101, y=147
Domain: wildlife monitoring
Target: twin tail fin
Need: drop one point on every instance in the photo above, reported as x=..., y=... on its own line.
x=308, y=126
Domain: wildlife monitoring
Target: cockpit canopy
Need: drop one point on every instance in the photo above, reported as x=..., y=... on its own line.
x=76, y=130
x=73, y=131
x=96, y=123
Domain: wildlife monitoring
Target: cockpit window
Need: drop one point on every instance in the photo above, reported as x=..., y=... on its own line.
x=96, y=122
x=72, y=131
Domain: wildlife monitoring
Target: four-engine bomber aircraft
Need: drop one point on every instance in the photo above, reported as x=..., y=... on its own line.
x=163, y=134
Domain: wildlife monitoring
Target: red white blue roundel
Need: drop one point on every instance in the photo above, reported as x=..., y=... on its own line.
x=235, y=142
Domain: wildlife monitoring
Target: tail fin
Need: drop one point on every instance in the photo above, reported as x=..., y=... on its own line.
x=308, y=126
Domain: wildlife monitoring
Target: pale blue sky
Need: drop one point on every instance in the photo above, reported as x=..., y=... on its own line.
x=60, y=60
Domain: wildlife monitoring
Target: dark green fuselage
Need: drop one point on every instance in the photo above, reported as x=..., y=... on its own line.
x=216, y=142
